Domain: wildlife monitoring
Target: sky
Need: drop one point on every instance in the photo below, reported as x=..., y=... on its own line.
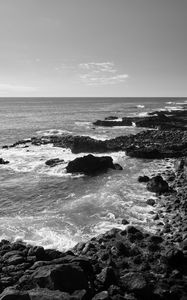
x=96, y=48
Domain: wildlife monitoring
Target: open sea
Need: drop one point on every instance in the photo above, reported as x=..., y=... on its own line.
x=46, y=206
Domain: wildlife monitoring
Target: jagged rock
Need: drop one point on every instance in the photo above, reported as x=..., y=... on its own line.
x=157, y=185
x=90, y=164
x=54, y=162
x=107, y=277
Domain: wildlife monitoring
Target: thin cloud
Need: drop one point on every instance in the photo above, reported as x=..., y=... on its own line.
x=6, y=87
x=101, y=73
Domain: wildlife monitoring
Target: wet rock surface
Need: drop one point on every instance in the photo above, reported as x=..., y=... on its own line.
x=119, y=264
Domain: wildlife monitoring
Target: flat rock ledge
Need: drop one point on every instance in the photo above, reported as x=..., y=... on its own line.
x=121, y=264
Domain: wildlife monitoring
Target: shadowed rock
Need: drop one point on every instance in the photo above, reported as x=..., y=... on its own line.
x=157, y=185
x=143, y=178
x=90, y=165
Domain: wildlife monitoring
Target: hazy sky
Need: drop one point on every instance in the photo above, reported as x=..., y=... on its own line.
x=93, y=48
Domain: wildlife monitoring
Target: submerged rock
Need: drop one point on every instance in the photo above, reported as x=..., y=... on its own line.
x=91, y=164
x=143, y=178
x=54, y=162
x=3, y=162
x=150, y=202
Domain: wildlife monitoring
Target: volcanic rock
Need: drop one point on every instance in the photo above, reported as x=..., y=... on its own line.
x=90, y=164
x=150, y=202
x=157, y=185
x=143, y=178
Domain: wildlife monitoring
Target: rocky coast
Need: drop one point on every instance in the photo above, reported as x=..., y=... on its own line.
x=129, y=264
x=120, y=264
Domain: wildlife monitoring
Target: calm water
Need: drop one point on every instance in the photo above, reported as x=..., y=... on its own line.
x=48, y=207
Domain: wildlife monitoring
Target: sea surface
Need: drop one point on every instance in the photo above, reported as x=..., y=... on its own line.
x=46, y=206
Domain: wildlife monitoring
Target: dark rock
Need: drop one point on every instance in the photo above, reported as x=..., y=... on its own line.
x=124, y=222
x=174, y=257
x=156, y=239
x=107, y=277
x=117, y=167
x=3, y=162
x=54, y=162
x=90, y=164
x=51, y=254
x=156, y=217
x=111, y=118
x=151, y=202
x=144, y=153
x=66, y=278
x=143, y=178
x=157, y=185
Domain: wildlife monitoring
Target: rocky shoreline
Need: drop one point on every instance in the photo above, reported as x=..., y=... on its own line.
x=120, y=264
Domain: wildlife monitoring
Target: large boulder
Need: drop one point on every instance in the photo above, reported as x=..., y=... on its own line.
x=157, y=185
x=64, y=277
x=91, y=164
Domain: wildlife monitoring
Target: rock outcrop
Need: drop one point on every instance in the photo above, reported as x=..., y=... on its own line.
x=91, y=165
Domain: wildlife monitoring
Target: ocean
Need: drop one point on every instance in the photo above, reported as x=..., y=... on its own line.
x=44, y=205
